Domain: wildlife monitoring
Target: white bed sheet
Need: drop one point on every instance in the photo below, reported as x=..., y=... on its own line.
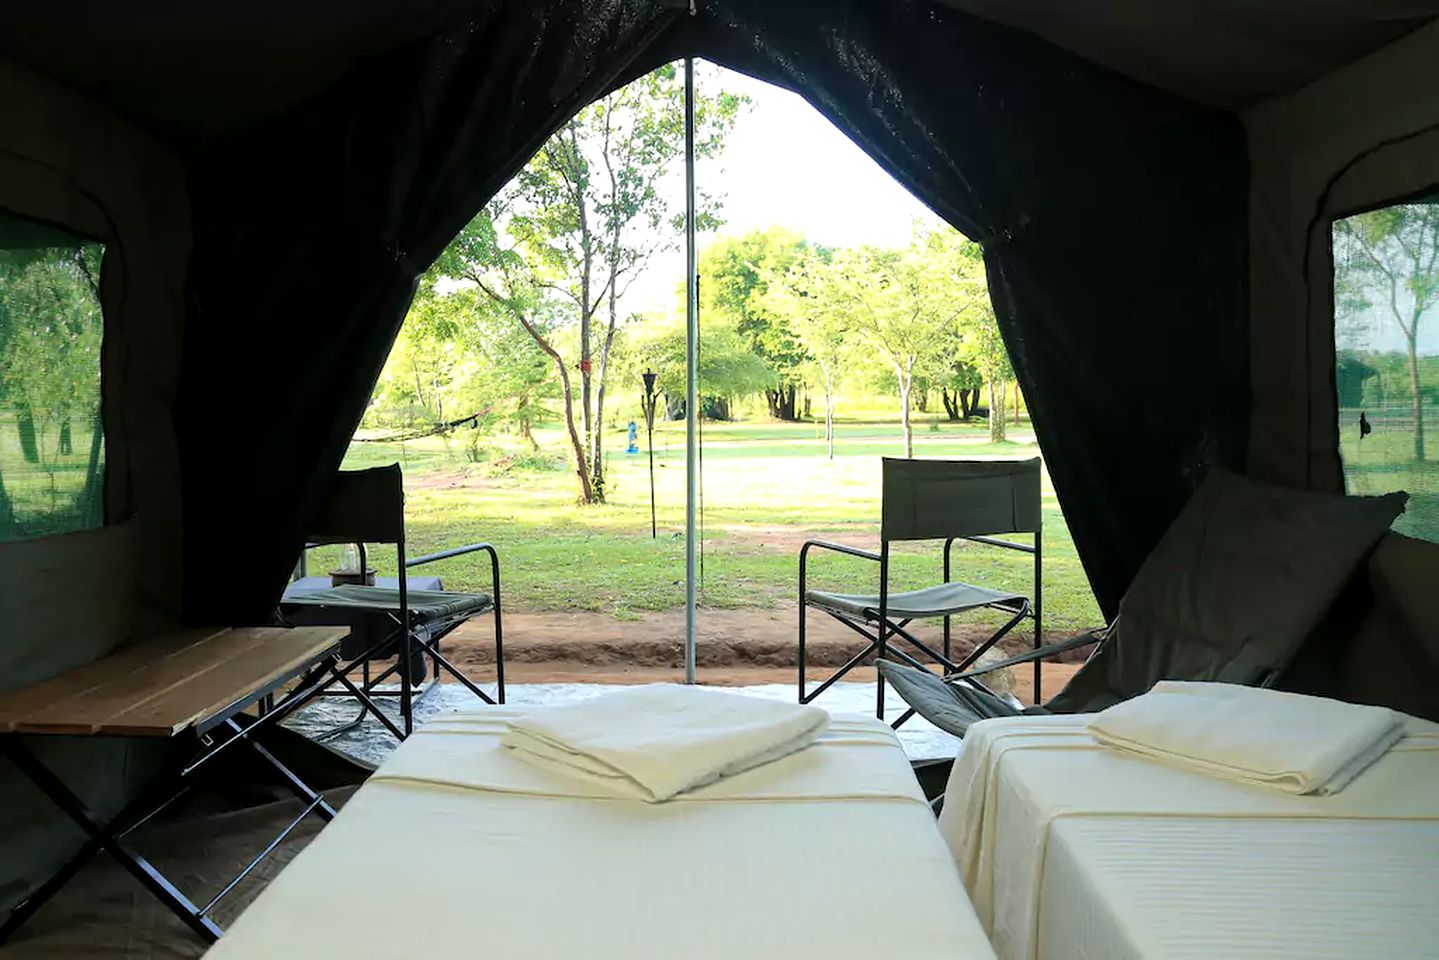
x=456, y=849
x=1072, y=850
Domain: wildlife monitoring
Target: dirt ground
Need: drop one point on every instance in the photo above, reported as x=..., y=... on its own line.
x=735, y=647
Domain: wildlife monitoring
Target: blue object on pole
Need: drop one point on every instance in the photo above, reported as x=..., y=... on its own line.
x=634, y=434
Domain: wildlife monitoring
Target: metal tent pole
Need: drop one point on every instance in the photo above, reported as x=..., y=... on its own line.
x=692, y=335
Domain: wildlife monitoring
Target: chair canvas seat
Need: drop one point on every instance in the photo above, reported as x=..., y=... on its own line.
x=937, y=601
x=425, y=605
x=978, y=501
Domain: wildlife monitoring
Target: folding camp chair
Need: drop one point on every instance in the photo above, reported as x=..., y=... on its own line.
x=1230, y=594
x=392, y=620
x=945, y=500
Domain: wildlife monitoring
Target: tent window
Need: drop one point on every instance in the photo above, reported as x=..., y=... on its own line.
x=1386, y=337
x=51, y=444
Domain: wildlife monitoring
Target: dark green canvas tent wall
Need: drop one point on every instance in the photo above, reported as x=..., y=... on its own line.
x=987, y=140
x=1361, y=137
x=278, y=174
x=67, y=162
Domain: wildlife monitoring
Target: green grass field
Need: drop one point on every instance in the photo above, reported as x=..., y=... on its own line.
x=1384, y=461
x=766, y=487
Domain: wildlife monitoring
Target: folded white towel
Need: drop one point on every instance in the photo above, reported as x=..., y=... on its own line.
x=1290, y=742
x=655, y=741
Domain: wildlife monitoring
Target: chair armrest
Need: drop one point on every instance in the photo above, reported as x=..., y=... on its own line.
x=446, y=554
x=1042, y=653
x=461, y=551
x=838, y=548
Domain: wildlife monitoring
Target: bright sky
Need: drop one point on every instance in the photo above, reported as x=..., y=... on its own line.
x=786, y=165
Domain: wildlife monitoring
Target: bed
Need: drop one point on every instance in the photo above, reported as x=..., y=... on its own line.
x=831, y=852
x=1069, y=849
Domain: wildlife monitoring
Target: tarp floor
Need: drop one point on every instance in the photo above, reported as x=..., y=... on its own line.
x=103, y=914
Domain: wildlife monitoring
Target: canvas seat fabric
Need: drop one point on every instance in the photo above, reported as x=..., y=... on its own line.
x=937, y=601
x=425, y=605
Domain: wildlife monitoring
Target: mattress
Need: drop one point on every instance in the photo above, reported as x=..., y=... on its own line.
x=1072, y=850
x=455, y=848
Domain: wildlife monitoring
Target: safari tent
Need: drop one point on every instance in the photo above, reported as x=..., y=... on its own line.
x=1154, y=187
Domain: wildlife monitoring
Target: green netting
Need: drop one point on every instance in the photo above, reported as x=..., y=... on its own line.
x=52, y=451
x=1386, y=333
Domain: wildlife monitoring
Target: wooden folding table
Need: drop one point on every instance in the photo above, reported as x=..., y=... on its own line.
x=188, y=684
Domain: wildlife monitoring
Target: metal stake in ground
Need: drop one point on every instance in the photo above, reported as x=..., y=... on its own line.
x=648, y=406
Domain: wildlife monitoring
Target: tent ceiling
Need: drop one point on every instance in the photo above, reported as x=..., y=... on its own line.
x=189, y=70
x=1226, y=53
x=186, y=69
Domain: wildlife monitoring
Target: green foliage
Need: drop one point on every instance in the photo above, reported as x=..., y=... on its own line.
x=51, y=328
x=897, y=310
x=727, y=366
x=1386, y=261
x=735, y=277
x=556, y=251
x=457, y=356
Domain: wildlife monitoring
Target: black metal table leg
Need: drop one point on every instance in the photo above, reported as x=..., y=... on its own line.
x=109, y=836
x=297, y=786
x=102, y=836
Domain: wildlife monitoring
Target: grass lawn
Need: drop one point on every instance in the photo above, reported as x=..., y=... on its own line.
x=766, y=487
x=1384, y=461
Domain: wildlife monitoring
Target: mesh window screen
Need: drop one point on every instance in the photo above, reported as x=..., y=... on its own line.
x=51, y=445
x=1386, y=337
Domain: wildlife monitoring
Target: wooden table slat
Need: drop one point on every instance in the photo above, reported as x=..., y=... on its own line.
x=88, y=714
x=84, y=680
x=163, y=686
x=214, y=689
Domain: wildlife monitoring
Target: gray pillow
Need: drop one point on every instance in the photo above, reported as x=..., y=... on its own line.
x=1232, y=589
x=1392, y=659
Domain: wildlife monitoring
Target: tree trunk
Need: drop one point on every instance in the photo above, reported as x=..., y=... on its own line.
x=996, y=411
x=67, y=443
x=973, y=404
x=781, y=402
x=597, y=467
x=1016, y=403
x=951, y=404
x=905, y=384
x=587, y=309
x=582, y=467
x=582, y=472
x=93, y=493
x=921, y=401
x=1414, y=388
x=8, y=526
x=29, y=446
x=829, y=421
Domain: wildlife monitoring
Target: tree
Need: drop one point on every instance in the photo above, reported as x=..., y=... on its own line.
x=981, y=354
x=558, y=248
x=51, y=329
x=903, y=304
x=458, y=356
x=960, y=391
x=736, y=273
x=792, y=299
x=987, y=353
x=1392, y=255
x=728, y=368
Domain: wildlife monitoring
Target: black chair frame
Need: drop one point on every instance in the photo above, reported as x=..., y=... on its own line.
x=884, y=633
x=403, y=636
